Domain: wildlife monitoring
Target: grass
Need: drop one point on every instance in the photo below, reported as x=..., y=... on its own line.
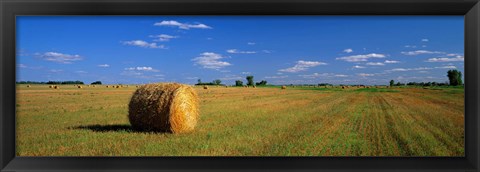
x=265, y=121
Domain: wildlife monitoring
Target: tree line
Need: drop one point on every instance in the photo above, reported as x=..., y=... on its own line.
x=58, y=82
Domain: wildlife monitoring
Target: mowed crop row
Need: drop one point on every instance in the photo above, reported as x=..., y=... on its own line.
x=248, y=121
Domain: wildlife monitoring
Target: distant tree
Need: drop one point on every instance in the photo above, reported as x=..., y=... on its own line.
x=455, y=77
x=398, y=84
x=238, y=83
x=199, y=81
x=97, y=83
x=250, y=80
x=392, y=82
x=217, y=82
x=263, y=82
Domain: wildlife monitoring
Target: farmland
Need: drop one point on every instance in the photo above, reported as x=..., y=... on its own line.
x=263, y=121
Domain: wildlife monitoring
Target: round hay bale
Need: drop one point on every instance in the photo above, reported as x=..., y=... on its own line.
x=254, y=86
x=284, y=87
x=56, y=87
x=80, y=86
x=205, y=87
x=343, y=87
x=28, y=86
x=50, y=86
x=106, y=86
x=166, y=107
x=117, y=86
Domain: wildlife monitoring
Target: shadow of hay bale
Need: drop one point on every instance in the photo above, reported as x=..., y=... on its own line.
x=113, y=128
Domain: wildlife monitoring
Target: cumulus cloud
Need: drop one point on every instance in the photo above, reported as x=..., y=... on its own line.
x=144, y=68
x=457, y=58
x=276, y=77
x=365, y=74
x=59, y=57
x=186, y=26
x=408, y=69
x=375, y=64
x=211, y=60
x=144, y=44
x=361, y=58
x=349, y=50
x=419, y=52
x=391, y=61
x=104, y=65
x=358, y=67
x=163, y=37
x=235, y=51
x=302, y=66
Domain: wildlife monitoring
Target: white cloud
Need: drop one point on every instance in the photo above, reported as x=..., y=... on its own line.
x=211, y=60
x=251, y=43
x=144, y=44
x=104, y=65
x=235, y=51
x=359, y=67
x=163, y=37
x=302, y=66
x=59, y=57
x=361, y=58
x=267, y=51
x=365, y=74
x=410, y=46
x=144, y=68
x=318, y=75
x=246, y=73
x=276, y=77
x=349, y=50
x=375, y=64
x=457, y=58
x=408, y=69
x=424, y=40
x=418, y=52
x=391, y=61
x=185, y=26
x=446, y=67
x=80, y=72
x=55, y=70
x=231, y=77
x=22, y=66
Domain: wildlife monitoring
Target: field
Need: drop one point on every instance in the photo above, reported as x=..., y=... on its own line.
x=248, y=122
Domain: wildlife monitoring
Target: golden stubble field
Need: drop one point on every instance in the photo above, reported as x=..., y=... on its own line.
x=247, y=122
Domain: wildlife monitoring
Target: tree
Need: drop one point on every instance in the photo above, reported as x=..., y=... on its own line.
x=250, y=80
x=238, y=83
x=199, y=81
x=97, y=83
x=217, y=82
x=455, y=77
x=263, y=82
x=392, y=82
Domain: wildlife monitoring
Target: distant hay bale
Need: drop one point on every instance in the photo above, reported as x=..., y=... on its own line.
x=50, y=86
x=254, y=86
x=226, y=86
x=93, y=85
x=205, y=87
x=28, y=86
x=284, y=87
x=117, y=86
x=56, y=87
x=343, y=87
x=106, y=86
x=167, y=107
x=80, y=86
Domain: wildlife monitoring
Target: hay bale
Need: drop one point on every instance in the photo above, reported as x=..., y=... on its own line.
x=343, y=87
x=169, y=107
x=117, y=86
x=80, y=86
x=56, y=87
x=254, y=86
x=205, y=87
x=50, y=86
x=284, y=87
x=106, y=86
x=28, y=86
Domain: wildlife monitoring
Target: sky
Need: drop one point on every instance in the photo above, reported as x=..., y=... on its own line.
x=368, y=50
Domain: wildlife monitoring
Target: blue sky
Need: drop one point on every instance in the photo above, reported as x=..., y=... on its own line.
x=280, y=49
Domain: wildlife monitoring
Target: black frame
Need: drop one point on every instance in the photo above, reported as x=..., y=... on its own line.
x=10, y=8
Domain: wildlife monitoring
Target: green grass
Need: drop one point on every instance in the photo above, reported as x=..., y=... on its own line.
x=265, y=121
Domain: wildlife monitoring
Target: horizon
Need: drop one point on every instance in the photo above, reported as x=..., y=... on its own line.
x=361, y=50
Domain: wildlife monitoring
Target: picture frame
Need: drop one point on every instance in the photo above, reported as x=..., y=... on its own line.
x=12, y=8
